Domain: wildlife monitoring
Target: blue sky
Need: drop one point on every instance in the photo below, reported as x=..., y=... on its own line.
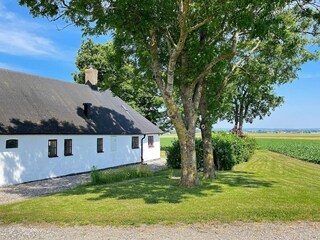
x=37, y=46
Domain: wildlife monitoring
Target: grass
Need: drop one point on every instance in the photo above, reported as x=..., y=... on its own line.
x=270, y=187
x=166, y=141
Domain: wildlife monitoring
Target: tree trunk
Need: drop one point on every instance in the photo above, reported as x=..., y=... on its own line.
x=186, y=137
x=185, y=126
x=241, y=117
x=207, y=148
x=189, y=176
x=236, y=118
x=208, y=159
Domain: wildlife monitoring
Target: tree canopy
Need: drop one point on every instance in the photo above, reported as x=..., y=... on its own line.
x=179, y=43
x=120, y=76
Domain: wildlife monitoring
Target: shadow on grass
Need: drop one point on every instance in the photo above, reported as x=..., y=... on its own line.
x=162, y=189
x=242, y=179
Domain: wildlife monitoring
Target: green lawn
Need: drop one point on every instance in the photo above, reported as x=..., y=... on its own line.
x=270, y=187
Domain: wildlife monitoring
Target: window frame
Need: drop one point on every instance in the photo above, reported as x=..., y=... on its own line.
x=150, y=142
x=10, y=142
x=68, y=147
x=99, y=145
x=135, y=143
x=55, y=148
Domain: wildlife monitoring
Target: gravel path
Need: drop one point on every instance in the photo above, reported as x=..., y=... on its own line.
x=237, y=231
x=24, y=191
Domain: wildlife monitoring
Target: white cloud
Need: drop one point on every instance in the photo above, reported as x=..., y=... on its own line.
x=23, y=43
x=23, y=38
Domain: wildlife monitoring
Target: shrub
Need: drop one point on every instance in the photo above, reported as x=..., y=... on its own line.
x=95, y=176
x=229, y=150
x=119, y=174
x=174, y=157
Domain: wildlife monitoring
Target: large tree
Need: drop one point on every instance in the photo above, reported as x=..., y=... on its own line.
x=122, y=78
x=241, y=89
x=180, y=42
x=252, y=101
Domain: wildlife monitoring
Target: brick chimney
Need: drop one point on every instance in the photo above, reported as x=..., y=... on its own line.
x=91, y=76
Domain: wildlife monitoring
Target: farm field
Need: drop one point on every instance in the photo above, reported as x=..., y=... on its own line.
x=270, y=187
x=307, y=150
x=305, y=136
x=302, y=146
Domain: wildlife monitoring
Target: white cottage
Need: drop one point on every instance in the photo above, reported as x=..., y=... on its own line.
x=51, y=128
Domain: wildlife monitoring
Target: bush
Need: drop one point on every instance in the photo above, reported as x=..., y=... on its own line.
x=174, y=157
x=229, y=150
x=119, y=174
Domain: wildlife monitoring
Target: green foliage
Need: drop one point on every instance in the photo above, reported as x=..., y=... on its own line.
x=229, y=150
x=119, y=174
x=120, y=76
x=247, y=92
x=307, y=150
x=179, y=44
x=174, y=157
x=95, y=176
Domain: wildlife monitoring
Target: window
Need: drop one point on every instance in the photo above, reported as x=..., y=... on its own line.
x=150, y=141
x=135, y=142
x=68, y=147
x=52, y=148
x=99, y=145
x=12, y=143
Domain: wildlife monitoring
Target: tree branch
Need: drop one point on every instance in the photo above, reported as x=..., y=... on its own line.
x=223, y=29
x=64, y=27
x=197, y=84
x=200, y=24
x=234, y=67
x=168, y=35
x=183, y=17
x=219, y=34
x=157, y=76
x=221, y=57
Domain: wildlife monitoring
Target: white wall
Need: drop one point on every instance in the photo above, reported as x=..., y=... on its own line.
x=151, y=153
x=30, y=160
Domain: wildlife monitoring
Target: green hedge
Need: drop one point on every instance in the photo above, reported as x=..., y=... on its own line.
x=174, y=157
x=118, y=174
x=229, y=150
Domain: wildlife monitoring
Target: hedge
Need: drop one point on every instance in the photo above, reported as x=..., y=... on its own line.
x=228, y=149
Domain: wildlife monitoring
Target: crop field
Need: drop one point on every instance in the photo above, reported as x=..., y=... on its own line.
x=302, y=136
x=166, y=139
x=307, y=150
x=302, y=146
